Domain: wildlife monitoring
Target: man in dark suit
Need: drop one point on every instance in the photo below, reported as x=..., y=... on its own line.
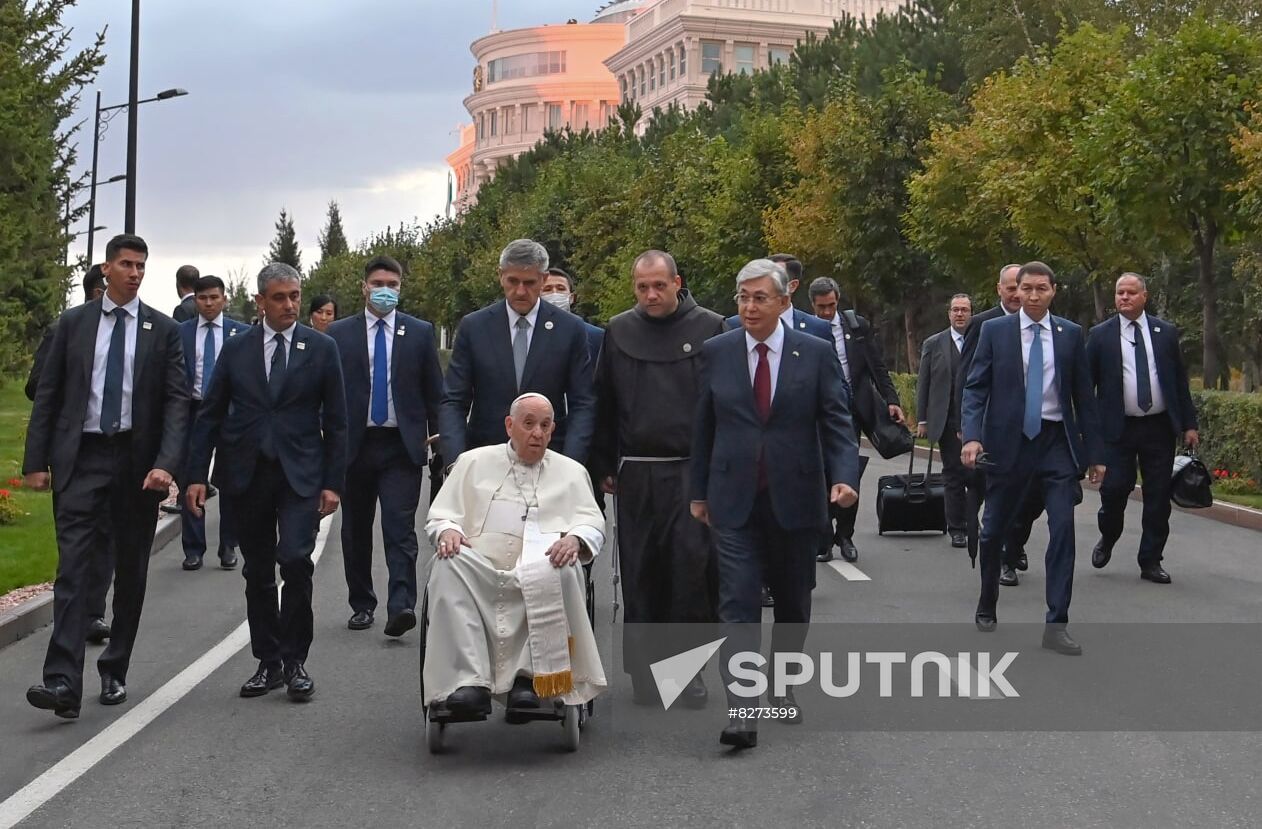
x=1014, y=557
x=101, y=572
x=859, y=351
x=764, y=467
x=1030, y=413
x=109, y=419
x=937, y=417
x=394, y=385
x=558, y=289
x=512, y=347
x=203, y=338
x=276, y=416
x=186, y=277
x=1141, y=386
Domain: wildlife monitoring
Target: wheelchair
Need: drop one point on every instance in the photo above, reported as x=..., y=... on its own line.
x=573, y=718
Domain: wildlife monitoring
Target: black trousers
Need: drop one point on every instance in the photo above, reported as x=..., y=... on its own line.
x=954, y=479
x=1147, y=443
x=276, y=526
x=100, y=577
x=666, y=559
x=1019, y=534
x=101, y=506
x=760, y=549
x=381, y=472
x=1047, y=465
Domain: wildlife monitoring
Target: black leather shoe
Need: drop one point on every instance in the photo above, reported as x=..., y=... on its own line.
x=740, y=733
x=56, y=697
x=1023, y=562
x=794, y=716
x=986, y=624
x=849, y=552
x=1056, y=638
x=523, y=694
x=1155, y=573
x=1100, y=555
x=113, y=692
x=825, y=554
x=299, y=686
x=469, y=700
x=1008, y=577
x=695, y=693
x=959, y=540
x=768, y=600
x=228, y=558
x=266, y=678
x=400, y=623
x=360, y=620
x=192, y=562
x=98, y=631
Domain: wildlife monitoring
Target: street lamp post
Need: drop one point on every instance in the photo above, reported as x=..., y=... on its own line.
x=129, y=214
x=92, y=225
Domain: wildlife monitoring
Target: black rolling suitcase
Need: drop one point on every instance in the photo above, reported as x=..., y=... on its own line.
x=911, y=502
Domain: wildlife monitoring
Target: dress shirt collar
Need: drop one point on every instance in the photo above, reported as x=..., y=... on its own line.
x=774, y=341
x=787, y=315
x=957, y=337
x=132, y=308
x=530, y=315
x=1142, y=319
x=217, y=321
x=371, y=320
x=1008, y=313
x=1026, y=322
x=270, y=333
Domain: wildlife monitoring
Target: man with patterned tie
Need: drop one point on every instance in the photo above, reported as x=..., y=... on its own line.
x=203, y=339
x=275, y=414
x=394, y=385
x=109, y=420
x=1145, y=405
x=1029, y=417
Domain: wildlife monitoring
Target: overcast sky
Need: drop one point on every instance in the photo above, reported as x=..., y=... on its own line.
x=291, y=103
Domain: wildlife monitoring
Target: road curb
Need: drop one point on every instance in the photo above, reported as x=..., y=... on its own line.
x=36, y=612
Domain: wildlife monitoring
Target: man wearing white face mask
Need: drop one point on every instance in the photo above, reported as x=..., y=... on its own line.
x=394, y=385
x=558, y=290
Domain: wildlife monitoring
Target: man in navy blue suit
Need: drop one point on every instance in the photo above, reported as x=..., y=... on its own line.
x=203, y=338
x=772, y=446
x=276, y=415
x=558, y=289
x=514, y=346
x=1145, y=404
x=1029, y=416
x=394, y=385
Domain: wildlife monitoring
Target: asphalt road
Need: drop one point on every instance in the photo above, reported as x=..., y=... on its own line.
x=355, y=754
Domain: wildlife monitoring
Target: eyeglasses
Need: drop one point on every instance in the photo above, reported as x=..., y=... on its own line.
x=760, y=300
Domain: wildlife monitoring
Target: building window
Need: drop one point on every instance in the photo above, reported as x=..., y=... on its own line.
x=494, y=119
x=555, y=120
x=670, y=62
x=779, y=54
x=606, y=114
x=510, y=121
x=643, y=88
x=529, y=65
x=481, y=127
x=652, y=77
x=711, y=57
x=683, y=62
x=622, y=82
x=526, y=118
x=744, y=55
x=661, y=71
x=580, y=115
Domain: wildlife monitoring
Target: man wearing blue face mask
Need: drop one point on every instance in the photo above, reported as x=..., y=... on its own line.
x=394, y=385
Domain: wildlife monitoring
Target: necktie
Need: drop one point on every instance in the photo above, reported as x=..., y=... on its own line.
x=276, y=377
x=1033, y=422
x=762, y=383
x=112, y=393
x=520, y=347
x=208, y=358
x=380, y=377
x=1143, y=385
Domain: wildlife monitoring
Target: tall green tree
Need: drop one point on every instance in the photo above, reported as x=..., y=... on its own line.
x=332, y=238
x=40, y=84
x=284, y=247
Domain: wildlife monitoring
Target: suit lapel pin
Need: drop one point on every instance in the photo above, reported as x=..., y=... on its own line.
x=795, y=354
x=232, y=333
x=300, y=345
x=146, y=325
x=1058, y=328
x=548, y=325
x=847, y=336
x=402, y=330
x=801, y=325
x=1158, y=330
x=687, y=347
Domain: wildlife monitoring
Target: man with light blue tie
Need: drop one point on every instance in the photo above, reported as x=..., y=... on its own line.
x=203, y=338
x=1029, y=418
x=394, y=385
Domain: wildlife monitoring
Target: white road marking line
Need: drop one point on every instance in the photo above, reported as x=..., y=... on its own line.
x=74, y=765
x=848, y=571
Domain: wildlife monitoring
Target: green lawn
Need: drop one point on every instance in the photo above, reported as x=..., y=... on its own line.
x=1254, y=501
x=28, y=551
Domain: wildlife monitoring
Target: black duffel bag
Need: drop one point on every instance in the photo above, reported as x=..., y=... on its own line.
x=1190, y=483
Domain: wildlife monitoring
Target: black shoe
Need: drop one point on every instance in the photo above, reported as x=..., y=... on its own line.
x=56, y=697
x=98, y=631
x=228, y=558
x=740, y=733
x=1023, y=562
x=767, y=599
x=1156, y=573
x=192, y=562
x=400, y=623
x=695, y=694
x=959, y=540
x=266, y=678
x=1008, y=577
x=113, y=691
x=1056, y=638
x=825, y=554
x=299, y=686
x=849, y=552
x=360, y=620
x=985, y=623
x=170, y=509
x=1101, y=554
x=794, y=711
x=523, y=694
x=469, y=700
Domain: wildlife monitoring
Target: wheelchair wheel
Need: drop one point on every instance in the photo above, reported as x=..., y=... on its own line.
x=570, y=721
x=434, y=735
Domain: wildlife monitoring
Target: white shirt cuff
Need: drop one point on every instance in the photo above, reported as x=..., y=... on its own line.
x=591, y=537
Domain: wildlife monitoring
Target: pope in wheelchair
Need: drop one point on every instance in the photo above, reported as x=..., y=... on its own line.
x=506, y=600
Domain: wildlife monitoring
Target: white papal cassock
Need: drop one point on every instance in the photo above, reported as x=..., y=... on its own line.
x=498, y=609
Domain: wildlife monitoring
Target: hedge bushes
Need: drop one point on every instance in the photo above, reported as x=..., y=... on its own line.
x=1231, y=426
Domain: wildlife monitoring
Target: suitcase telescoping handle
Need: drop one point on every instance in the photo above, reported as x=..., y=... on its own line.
x=917, y=492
